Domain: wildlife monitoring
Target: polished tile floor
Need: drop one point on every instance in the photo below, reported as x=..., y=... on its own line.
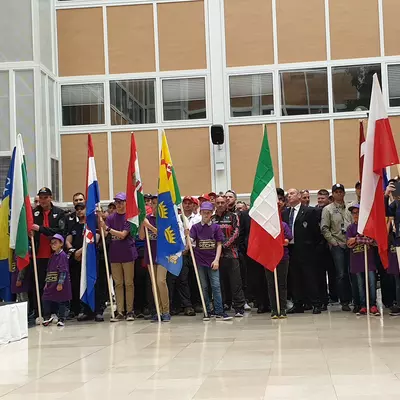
x=331, y=356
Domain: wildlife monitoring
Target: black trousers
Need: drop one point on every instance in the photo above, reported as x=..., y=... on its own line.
x=257, y=282
x=243, y=274
x=195, y=299
x=303, y=275
x=141, y=282
x=178, y=286
x=75, y=268
x=231, y=282
x=282, y=272
x=388, y=287
x=101, y=287
x=325, y=267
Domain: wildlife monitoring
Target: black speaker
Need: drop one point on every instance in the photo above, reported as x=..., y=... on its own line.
x=217, y=134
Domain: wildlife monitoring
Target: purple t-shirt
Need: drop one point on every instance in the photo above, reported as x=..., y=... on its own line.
x=287, y=233
x=26, y=281
x=153, y=242
x=58, y=263
x=393, y=268
x=206, y=238
x=121, y=250
x=357, y=259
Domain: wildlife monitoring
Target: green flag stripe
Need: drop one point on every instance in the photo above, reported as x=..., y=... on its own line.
x=176, y=187
x=264, y=172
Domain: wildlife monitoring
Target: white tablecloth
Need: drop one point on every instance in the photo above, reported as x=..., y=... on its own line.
x=13, y=322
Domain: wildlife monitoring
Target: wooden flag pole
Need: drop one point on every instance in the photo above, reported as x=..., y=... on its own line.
x=152, y=275
x=366, y=278
x=278, y=304
x=39, y=303
x=103, y=239
x=196, y=270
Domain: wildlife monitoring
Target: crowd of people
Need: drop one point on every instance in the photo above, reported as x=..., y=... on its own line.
x=323, y=261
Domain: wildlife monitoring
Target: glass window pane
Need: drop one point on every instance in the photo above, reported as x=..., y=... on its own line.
x=251, y=95
x=25, y=116
x=352, y=86
x=82, y=104
x=52, y=118
x=55, y=179
x=184, y=99
x=44, y=111
x=394, y=85
x=46, y=50
x=132, y=102
x=16, y=31
x=304, y=91
x=4, y=112
x=4, y=166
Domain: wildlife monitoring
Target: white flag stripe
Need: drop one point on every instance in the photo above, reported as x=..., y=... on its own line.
x=92, y=171
x=370, y=180
x=265, y=210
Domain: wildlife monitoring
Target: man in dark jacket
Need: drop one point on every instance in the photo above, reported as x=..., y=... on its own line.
x=47, y=221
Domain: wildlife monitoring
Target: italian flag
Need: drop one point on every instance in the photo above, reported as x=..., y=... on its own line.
x=21, y=218
x=266, y=234
x=135, y=204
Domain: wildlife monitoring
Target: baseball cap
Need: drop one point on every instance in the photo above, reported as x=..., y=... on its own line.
x=212, y=194
x=80, y=205
x=351, y=208
x=190, y=198
x=58, y=237
x=338, y=186
x=195, y=201
x=45, y=191
x=357, y=185
x=207, y=206
x=205, y=197
x=148, y=196
x=120, y=196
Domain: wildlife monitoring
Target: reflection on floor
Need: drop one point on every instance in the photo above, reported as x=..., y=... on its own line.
x=331, y=356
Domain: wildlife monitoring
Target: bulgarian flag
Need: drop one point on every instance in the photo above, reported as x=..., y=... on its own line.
x=135, y=204
x=266, y=233
x=21, y=218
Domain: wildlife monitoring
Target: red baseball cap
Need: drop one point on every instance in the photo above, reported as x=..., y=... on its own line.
x=195, y=201
x=204, y=197
x=188, y=198
x=212, y=194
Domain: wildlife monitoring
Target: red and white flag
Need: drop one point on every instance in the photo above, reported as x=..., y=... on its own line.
x=380, y=152
x=361, y=150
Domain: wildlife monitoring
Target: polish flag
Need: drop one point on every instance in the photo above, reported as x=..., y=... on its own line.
x=380, y=152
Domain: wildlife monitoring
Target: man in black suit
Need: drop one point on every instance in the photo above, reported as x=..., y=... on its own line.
x=302, y=266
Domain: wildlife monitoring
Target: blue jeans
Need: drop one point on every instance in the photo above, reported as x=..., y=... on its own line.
x=213, y=275
x=372, y=288
x=341, y=259
x=61, y=307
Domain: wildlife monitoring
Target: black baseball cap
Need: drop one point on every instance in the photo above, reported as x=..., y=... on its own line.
x=80, y=205
x=150, y=196
x=338, y=186
x=45, y=191
x=358, y=185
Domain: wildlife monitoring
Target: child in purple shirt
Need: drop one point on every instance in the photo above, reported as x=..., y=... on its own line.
x=207, y=238
x=57, y=291
x=356, y=243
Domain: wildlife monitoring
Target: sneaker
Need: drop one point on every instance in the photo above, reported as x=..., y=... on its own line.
x=206, y=319
x=374, y=311
x=38, y=321
x=99, y=318
x=83, y=317
x=189, y=312
x=139, y=314
x=394, y=311
x=247, y=307
x=223, y=317
x=363, y=311
x=274, y=315
x=283, y=314
x=60, y=323
x=239, y=313
x=130, y=316
x=55, y=318
x=346, y=307
x=198, y=309
x=154, y=318
x=356, y=310
x=48, y=321
x=117, y=318
x=166, y=317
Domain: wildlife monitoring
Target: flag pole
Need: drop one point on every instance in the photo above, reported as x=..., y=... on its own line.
x=152, y=276
x=278, y=304
x=36, y=281
x=366, y=278
x=196, y=270
x=103, y=239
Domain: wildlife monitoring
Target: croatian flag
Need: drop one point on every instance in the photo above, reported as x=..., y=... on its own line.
x=89, y=255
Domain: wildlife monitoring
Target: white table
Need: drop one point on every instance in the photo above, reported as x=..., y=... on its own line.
x=13, y=322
